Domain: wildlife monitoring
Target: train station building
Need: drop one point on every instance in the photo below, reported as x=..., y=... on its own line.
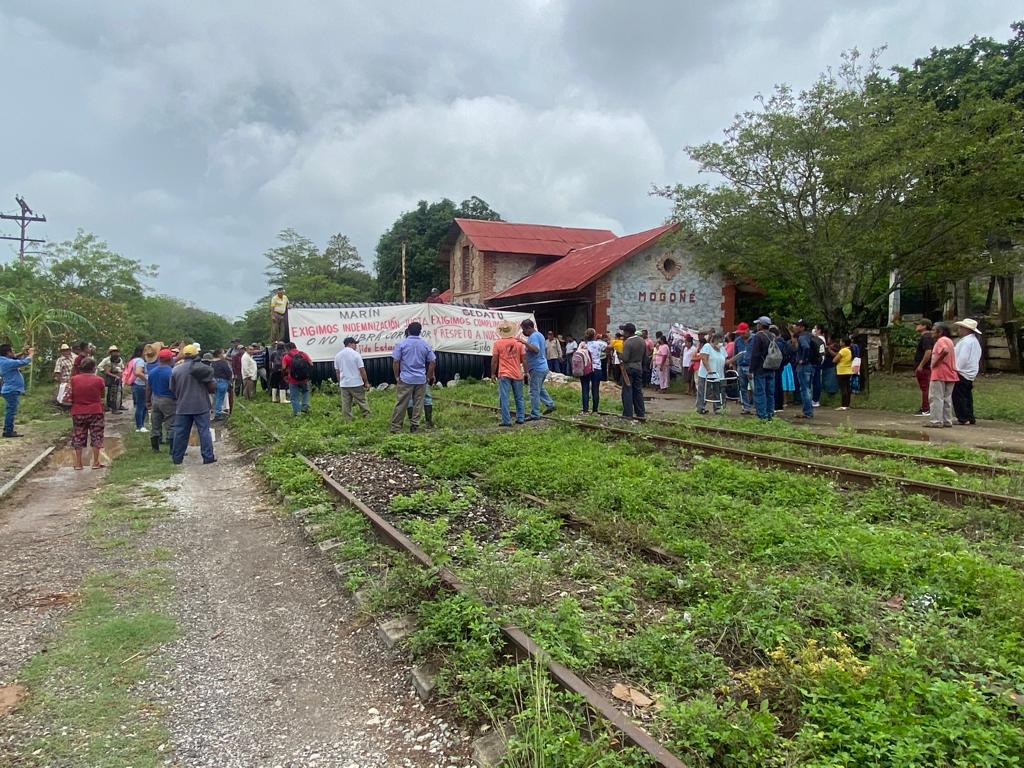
x=572, y=278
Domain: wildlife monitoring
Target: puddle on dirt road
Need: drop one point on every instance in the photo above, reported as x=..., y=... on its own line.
x=65, y=457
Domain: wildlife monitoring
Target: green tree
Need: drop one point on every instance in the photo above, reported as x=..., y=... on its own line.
x=837, y=187
x=422, y=230
x=34, y=323
x=307, y=275
x=87, y=265
x=168, y=319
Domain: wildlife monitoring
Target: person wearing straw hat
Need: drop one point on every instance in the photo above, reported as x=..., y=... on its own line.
x=968, y=361
x=62, y=373
x=508, y=357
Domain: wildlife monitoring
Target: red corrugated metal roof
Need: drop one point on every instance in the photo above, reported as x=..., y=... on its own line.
x=532, y=239
x=447, y=296
x=583, y=265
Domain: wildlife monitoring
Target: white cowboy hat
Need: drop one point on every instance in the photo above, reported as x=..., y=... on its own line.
x=970, y=324
x=505, y=330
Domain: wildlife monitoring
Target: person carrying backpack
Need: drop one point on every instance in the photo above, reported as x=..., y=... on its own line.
x=765, y=361
x=583, y=369
x=298, y=369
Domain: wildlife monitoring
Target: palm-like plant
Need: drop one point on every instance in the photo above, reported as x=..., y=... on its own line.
x=30, y=322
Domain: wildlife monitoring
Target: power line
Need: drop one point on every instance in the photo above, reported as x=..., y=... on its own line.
x=26, y=217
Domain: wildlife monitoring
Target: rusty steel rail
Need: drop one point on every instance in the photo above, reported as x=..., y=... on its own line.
x=10, y=484
x=522, y=643
x=957, y=464
x=945, y=493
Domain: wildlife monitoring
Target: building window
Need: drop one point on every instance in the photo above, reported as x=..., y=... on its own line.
x=669, y=267
x=465, y=268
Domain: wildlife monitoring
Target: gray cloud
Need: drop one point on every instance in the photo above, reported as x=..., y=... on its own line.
x=188, y=134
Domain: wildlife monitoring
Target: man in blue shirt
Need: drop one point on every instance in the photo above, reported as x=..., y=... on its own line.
x=14, y=383
x=412, y=362
x=741, y=359
x=536, y=368
x=160, y=399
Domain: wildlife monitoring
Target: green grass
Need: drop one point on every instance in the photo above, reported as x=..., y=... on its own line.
x=997, y=396
x=83, y=688
x=772, y=644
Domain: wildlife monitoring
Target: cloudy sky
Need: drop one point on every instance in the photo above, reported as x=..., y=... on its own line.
x=188, y=133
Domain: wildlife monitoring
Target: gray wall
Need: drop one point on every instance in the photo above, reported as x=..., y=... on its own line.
x=633, y=283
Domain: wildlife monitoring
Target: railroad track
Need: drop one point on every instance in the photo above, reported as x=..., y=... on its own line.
x=856, y=450
x=946, y=493
x=11, y=484
x=519, y=641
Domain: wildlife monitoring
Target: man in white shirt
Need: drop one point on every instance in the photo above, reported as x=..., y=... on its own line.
x=351, y=375
x=249, y=372
x=968, y=361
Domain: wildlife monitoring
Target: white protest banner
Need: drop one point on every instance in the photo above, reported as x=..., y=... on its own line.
x=469, y=330
x=321, y=331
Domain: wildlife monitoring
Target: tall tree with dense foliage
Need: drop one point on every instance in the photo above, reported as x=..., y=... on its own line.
x=422, y=230
x=307, y=274
x=841, y=186
x=87, y=265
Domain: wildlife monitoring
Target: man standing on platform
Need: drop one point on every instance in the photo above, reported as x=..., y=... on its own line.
x=923, y=361
x=413, y=364
x=278, y=308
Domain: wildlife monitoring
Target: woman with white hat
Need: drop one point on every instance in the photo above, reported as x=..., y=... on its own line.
x=968, y=361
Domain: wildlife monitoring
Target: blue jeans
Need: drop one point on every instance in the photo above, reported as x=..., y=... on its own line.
x=139, y=400
x=590, y=386
x=816, y=384
x=223, y=385
x=805, y=379
x=538, y=394
x=11, y=399
x=183, y=428
x=743, y=380
x=516, y=385
x=299, y=395
x=764, y=394
x=633, y=394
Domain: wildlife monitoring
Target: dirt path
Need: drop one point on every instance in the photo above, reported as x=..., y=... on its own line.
x=276, y=667
x=43, y=552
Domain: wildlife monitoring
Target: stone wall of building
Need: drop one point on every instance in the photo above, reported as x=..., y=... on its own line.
x=508, y=269
x=660, y=286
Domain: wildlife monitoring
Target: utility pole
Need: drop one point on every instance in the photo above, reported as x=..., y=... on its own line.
x=26, y=216
x=403, y=273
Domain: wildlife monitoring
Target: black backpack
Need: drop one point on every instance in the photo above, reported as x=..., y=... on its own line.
x=300, y=368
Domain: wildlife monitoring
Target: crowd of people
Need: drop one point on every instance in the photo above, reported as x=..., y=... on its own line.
x=177, y=388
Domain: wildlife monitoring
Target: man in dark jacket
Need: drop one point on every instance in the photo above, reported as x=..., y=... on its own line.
x=191, y=384
x=806, y=363
x=763, y=378
x=633, y=352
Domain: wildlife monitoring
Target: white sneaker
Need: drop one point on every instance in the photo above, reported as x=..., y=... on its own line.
x=816, y=405
x=142, y=429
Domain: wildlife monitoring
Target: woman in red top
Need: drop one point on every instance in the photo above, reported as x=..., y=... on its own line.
x=87, y=412
x=943, y=377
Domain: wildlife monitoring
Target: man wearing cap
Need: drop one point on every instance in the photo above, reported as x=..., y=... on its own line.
x=191, y=384
x=62, y=372
x=160, y=400
x=248, y=371
x=968, y=361
x=112, y=368
x=278, y=309
x=923, y=361
x=634, y=349
x=508, y=357
x=806, y=362
x=763, y=379
x=350, y=373
x=434, y=297
x=537, y=366
x=741, y=359
x=412, y=362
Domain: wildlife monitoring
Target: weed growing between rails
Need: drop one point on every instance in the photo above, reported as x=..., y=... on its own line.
x=812, y=625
